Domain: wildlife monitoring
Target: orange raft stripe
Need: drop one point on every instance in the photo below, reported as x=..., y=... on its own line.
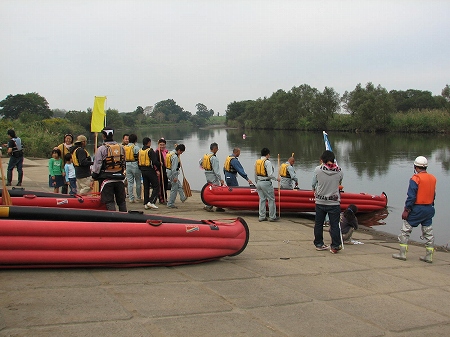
x=4, y=212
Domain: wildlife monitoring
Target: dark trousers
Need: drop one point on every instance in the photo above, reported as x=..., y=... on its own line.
x=150, y=180
x=111, y=190
x=334, y=214
x=163, y=186
x=15, y=162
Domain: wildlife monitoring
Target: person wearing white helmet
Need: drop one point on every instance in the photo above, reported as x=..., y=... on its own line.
x=419, y=210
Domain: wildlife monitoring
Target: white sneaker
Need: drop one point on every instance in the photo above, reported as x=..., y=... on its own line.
x=150, y=205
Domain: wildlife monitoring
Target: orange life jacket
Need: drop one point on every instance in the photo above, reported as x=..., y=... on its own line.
x=426, y=188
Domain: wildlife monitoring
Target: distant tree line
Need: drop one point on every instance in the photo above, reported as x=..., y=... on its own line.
x=41, y=128
x=366, y=108
x=33, y=107
x=369, y=108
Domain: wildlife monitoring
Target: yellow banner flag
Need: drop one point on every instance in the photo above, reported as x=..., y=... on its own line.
x=98, y=114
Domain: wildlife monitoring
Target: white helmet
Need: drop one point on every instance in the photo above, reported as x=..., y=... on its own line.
x=421, y=161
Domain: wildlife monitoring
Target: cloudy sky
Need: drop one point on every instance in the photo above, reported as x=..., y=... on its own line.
x=139, y=52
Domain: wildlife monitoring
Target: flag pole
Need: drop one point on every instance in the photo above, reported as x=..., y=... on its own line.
x=98, y=120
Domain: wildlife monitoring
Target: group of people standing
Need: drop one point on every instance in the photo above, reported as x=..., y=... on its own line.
x=70, y=166
x=122, y=170
x=157, y=169
x=327, y=179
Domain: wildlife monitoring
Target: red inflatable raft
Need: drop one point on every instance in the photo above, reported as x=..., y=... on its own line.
x=141, y=241
x=21, y=197
x=246, y=198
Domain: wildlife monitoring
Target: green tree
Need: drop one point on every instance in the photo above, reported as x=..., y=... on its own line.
x=203, y=112
x=372, y=107
x=414, y=99
x=446, y=93
x=139, y=110
x=82, y=118
x=59, y=113
x=32, y=104
x=325, y=106
x=113, y=118
x=236, y=111
x=169, y=111
x=305, y=97
x=198, y=121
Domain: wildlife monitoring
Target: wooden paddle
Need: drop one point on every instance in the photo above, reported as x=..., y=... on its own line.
x=186, y=186
x=279, y=187
x=162, y=175
x=6, y=198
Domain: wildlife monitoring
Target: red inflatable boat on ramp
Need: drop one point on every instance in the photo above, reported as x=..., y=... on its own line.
x=246, y=198
x=21, y=197
x=132, y=240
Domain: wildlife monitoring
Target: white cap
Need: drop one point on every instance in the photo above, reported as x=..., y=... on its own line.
x=421, y=161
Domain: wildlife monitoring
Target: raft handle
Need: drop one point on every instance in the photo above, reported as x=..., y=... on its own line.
x=154, y=222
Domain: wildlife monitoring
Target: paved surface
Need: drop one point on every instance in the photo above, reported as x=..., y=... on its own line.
x=279, y=286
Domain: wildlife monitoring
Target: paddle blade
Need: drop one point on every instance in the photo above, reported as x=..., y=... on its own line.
x=6, y=198
x=187, y=188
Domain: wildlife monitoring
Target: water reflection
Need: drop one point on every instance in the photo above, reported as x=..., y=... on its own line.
x=373, y=219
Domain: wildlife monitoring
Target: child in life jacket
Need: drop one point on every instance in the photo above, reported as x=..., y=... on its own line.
x=349, y=223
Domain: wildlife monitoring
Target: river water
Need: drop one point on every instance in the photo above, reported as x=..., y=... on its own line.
x=372, y=163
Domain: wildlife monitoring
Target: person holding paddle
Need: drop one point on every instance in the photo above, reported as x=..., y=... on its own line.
x=173, y=170
x=327, y=178
x=149, y=165
x=161, y=153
